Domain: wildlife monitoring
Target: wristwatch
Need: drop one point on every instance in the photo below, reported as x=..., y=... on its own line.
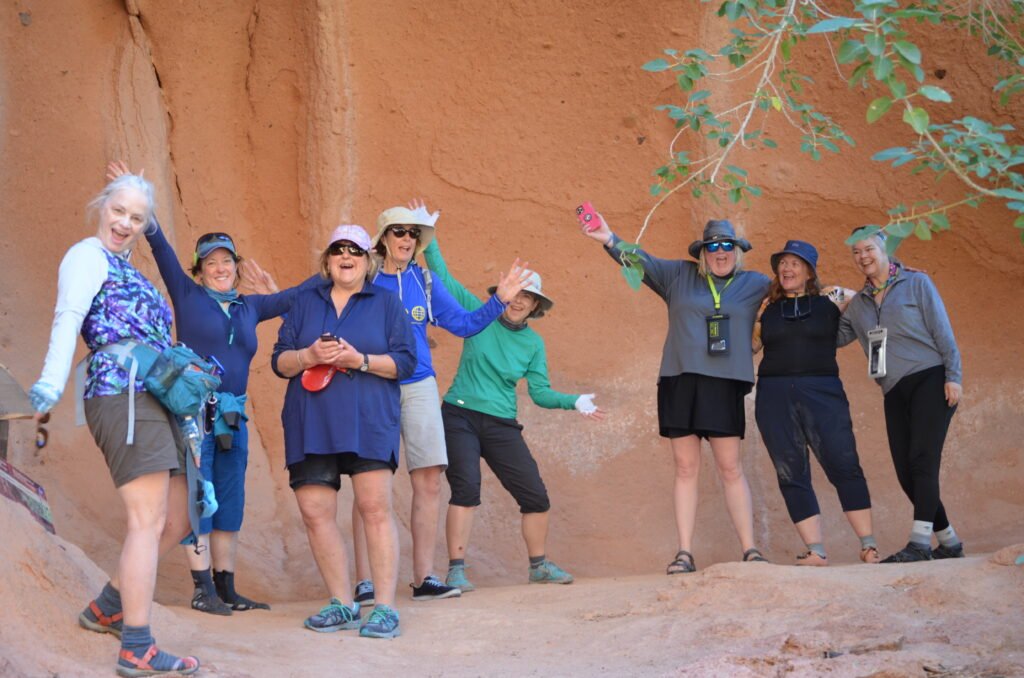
x=366, y=364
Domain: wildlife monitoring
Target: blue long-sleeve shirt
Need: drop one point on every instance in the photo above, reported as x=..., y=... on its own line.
x=360, y=413
x=448, y=313
x=204, y=326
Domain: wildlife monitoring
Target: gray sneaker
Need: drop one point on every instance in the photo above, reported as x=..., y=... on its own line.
x=942, y=551
x=334, y=616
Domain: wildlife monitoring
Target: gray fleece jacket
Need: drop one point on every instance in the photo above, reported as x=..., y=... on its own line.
x=919, y=333
x=689, y=302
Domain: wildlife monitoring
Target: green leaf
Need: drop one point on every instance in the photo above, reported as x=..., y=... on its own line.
x=897, y=87
x=633, y=276
x=883, y=68
x=908, y=51
x=889, y=154
x=878, y=108
x=698, y=54
x=656, y=66
x=655, y=189
x=941, y=221
x=891, y=244
x=1009, y=193
x=624, y=246
x=875, y=44
x=786, y=47
x=769, y=143
x=685, y=83
x=850, y=51
x=862, y=233
x=700, y=95
x=917, y=118
x=901, y=229
x=933, y=93
x=922, y=231
x=777, y=103
x=832, y=25
x=1019, y=223
x=736, y=170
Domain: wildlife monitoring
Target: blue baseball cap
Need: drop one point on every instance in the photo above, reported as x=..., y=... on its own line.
x=799, y=248
x=213, y=241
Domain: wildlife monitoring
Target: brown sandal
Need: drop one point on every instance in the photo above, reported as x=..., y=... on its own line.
x=812, y=559
x=870, y=555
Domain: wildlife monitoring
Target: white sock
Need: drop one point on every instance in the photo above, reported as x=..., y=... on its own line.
x=921, y=533
x=947, y=537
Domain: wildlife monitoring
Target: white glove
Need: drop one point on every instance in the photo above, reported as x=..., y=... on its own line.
x=424, y=217
x=585, y=404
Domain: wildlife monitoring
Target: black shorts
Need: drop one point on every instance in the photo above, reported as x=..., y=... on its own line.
x=471, y=436
x=327, y=469
x=695, y=404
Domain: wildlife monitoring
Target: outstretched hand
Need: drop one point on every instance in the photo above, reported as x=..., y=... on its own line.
x=116, y=168
x=514, y=282
x=254, y=279
x=602, y=234
x=585, y=406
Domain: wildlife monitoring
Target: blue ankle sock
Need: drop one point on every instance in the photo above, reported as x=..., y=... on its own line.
x=109, y=603
x=455, y=562
x=817, y=548
x=868, y=542
x=536, y=560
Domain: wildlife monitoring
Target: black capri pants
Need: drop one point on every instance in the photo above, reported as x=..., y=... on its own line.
x=917, y=418
x=794, y=413
x=471, y=436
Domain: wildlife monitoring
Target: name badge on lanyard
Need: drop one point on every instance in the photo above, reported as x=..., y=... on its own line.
x=876, y=352
x=718, y=323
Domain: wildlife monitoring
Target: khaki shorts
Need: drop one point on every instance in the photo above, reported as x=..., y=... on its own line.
x=422, y=427
x=157, y=447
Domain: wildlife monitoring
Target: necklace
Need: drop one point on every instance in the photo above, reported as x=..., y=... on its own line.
x=875, y=291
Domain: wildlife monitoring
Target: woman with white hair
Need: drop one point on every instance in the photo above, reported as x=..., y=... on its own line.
x=706, y=369
x=902, y=325
x=106, y=299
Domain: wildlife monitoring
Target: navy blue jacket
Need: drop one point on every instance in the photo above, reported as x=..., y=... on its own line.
x=360, y=413
x=205, y=328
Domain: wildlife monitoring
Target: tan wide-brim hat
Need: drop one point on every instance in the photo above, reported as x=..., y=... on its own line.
x=403, y=216
x=533, y=286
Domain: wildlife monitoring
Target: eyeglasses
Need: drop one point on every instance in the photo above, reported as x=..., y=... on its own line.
x=725, y=246
x=338, y=248
x=401, y=231
x=791, y=309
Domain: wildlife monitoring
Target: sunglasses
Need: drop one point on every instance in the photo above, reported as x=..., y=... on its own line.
x=725, y=246
x=793, y=310
x=214, y=237
x=338, y=248
x=401, y=231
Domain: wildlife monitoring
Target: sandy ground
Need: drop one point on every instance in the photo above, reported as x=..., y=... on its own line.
x=949, y=618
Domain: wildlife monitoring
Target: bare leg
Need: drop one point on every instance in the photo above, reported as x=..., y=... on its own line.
x=737, y=491
x=686, y=452
x=810, y=529
x=146, y=500
x=200, y=561
x=373, y=497
x=860, y=521
x=359, y=545
x=224, y=550
x=535, y=532
x=458, y=526
x=318, y=505
x=426, y=504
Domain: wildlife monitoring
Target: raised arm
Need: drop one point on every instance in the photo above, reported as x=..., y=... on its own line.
x=177, y=281
x=658, y=273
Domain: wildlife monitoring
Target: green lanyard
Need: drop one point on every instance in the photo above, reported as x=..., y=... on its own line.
x=714, y=291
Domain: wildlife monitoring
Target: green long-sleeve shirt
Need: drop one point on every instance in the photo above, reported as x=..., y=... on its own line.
x=494, y=360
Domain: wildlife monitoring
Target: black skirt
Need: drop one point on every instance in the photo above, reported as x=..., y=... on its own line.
x=695, y=404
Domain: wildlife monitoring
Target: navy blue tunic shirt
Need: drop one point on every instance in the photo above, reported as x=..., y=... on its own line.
x=357, y=413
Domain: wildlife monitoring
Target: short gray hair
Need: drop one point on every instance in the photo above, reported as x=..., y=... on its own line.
x=121, y=183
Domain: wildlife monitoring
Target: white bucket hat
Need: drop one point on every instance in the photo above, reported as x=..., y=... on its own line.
x=395, y=216
x=533, y=286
